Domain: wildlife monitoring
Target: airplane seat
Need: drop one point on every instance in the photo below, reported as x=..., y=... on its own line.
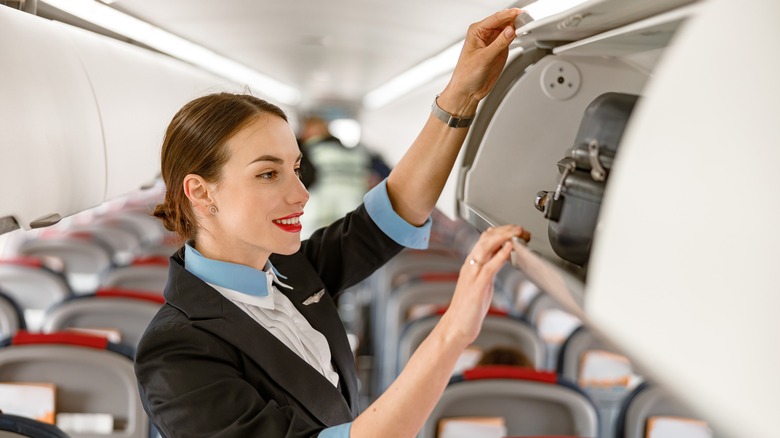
x=553, y=322
x=531, y=403
x=420, y=276
x=498, y=329
x=147, y=228
x=15, y=426
x=538, y=305
x=11, y=316
x=391, y=315
x=519, y=290
x=417, y=266
x=122, y=244
x=409, y=263
x=91, y=375
x=406, y=266
x=649, y=412
x=407, y=303
x=144, y=274
x=600, y=370
x=121, y=315
x=33, y=286
x=155, y=239
x=86, y=260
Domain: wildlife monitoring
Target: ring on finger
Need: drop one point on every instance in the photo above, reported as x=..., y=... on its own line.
x=473, y=261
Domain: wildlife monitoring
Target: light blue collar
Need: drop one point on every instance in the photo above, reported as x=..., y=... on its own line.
x=232, y=276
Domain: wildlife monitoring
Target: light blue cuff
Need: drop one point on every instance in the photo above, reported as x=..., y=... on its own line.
x=378, y=205
x=340, y=431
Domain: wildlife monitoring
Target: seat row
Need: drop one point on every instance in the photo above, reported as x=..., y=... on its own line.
x=37, y=289
x=407, y=298
x=90, y=376
x=417, y=284
x=117, y=314
x=404, y=300
x=522, y=402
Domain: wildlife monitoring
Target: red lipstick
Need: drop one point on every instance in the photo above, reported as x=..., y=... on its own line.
x=290, y=223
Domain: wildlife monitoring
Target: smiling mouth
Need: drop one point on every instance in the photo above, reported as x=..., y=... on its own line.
x=288, y=221
x=289, y=224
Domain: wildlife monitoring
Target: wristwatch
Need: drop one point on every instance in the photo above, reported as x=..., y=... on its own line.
x=449, y=119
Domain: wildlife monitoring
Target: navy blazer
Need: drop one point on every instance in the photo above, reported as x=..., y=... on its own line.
x=206, y=369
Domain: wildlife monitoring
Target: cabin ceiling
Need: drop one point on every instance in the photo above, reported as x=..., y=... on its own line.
x=333, y=51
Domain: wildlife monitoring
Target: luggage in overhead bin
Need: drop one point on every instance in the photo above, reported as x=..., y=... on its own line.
x=574, y=205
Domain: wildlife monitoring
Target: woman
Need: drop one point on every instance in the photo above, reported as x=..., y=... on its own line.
x=249, y=342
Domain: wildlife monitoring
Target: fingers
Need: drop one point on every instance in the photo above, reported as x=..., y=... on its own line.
x=491, y=241
x=491, y=267
x=500, y=19
x=498, y=30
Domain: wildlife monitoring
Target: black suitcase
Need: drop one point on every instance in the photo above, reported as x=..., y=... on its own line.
x=574, y=206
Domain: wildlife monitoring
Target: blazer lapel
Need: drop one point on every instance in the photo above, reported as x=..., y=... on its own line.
x=209, y=310
x=316, y=305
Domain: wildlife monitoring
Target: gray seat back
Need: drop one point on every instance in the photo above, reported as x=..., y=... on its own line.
x=528, y=407
x=88, y=380
x=33, y=289
x=151, y=278
x=496, y=330
x=646, y=401
x=86, y=263
x=608, y=399
x=129, y=316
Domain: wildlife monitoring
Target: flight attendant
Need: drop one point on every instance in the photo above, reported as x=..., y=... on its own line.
x=249, y=342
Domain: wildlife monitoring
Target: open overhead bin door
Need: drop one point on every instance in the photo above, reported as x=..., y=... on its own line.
x=680, y=277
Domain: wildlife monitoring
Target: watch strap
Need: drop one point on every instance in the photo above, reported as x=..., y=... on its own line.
x=449, y=119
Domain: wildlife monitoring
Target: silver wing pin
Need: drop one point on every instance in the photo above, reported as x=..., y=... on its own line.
x=314, y=298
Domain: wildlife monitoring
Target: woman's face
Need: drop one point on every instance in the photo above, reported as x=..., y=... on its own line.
x=260, y=196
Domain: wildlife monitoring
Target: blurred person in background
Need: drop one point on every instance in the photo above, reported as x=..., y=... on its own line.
x=342, y=175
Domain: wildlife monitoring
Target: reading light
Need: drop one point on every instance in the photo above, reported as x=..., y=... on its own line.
x=152, y=36
x=445, y=61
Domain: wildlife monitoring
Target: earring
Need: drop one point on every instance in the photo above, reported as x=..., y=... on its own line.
x=213, y=209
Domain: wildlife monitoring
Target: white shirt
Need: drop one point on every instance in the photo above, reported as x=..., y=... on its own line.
x=279, y=316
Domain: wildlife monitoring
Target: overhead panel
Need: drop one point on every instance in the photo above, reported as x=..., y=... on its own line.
x=51, y=137
x=138, y=92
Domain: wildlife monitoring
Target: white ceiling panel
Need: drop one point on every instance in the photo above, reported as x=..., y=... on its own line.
x=334, y=52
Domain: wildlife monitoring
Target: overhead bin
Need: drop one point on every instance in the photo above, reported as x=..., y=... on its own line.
x=138, y=92
x=83, y=117
x=594, y=17
x=530, y=120
x=51, y=138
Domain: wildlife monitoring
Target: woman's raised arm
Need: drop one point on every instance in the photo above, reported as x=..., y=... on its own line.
x=416, y=182
x=414, y=186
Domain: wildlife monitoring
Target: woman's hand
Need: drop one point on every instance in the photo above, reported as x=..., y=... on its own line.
x=481, y=61
x=474, y=291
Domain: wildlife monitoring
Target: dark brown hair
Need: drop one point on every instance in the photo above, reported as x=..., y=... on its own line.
x=505, y=355
x=195, y=143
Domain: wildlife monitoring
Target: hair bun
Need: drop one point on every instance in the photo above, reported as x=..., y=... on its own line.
x=162, y=213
